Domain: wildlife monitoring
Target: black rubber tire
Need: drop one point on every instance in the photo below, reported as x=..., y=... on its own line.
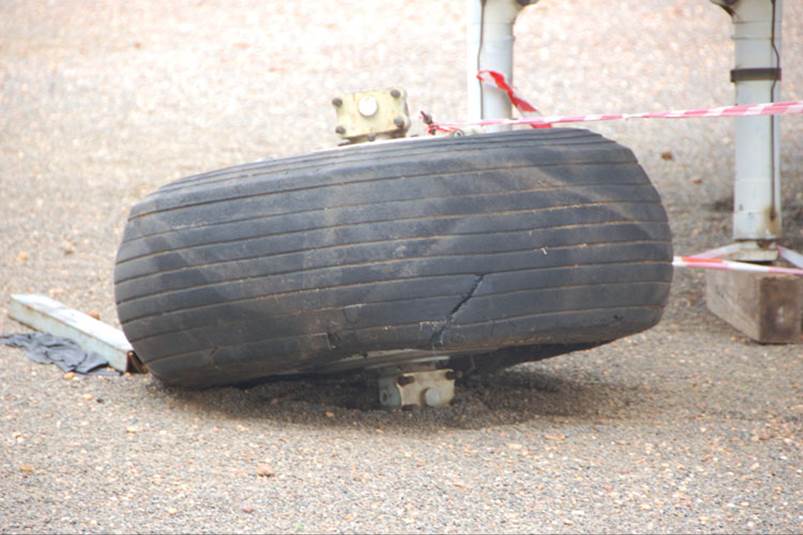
x=528, y=238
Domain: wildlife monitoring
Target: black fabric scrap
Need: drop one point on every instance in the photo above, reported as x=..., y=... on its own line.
x=66, y=354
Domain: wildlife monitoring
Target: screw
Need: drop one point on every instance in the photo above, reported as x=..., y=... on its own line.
x=337, y=102
x=399, y=122
x=432, y=397
x=395, y=93
x=340, y=130
x=405, y=380
x=367, y=106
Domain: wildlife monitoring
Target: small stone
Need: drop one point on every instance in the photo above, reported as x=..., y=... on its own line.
x=22, y=257
x=88, y=397
x=26, y=468
x=171, y=511
x=264, y=470
x=556, y=436
x=514, y=446
x=94, y=314
x=247, y=508
x=667, y=155
x=696, y=181
x=69, y=376
x=329, y=414
x=131, y=429
x=68, y=248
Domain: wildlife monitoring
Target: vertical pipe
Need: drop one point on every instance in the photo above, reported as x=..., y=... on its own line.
x=489, y=38
x=757, y=185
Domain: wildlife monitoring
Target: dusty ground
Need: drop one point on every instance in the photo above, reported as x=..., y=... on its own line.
x=688, y=427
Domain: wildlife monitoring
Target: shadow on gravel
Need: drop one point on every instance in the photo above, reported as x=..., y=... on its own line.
x=516, y=395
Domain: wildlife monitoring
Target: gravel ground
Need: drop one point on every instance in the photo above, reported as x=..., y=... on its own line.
x=689, y=427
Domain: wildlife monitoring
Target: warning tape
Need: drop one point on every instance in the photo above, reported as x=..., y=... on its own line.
x=498, y=79
x=711, y=260
x=792, y=107
x=731, y=265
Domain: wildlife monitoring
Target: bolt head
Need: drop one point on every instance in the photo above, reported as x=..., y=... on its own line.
x=337, y=102
x=340, y=130
x=368, y=106
x=399, y=122
x=432, y=397
x=405, y=380
x=395, y=93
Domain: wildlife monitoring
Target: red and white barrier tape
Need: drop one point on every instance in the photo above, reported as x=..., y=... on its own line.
x=730, y=265
x=793, y=107
x=498, y=79
x=712, y=259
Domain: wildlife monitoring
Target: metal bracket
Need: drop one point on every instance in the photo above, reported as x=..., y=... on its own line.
x=422, y=388
x=755, y=74
x=371, y=115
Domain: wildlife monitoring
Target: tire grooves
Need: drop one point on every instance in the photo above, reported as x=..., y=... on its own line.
x=163, y=270
x=323, y=184
x=379, y=283
x=181, y=228
x=386, y=262
x=238, y=175
x=577, y=188
x=459, y=298
x=371, y=153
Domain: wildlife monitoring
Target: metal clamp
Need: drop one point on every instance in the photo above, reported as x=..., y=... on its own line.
x=371, y=115
x=426, y=388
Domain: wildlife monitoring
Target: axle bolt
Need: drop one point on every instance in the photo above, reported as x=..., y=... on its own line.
x=405, y=380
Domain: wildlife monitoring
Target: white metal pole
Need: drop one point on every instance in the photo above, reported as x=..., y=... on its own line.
x=489, y=41
x=757, y=185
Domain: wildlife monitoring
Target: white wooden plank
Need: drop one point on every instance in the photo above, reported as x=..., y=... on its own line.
x=47, y=315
